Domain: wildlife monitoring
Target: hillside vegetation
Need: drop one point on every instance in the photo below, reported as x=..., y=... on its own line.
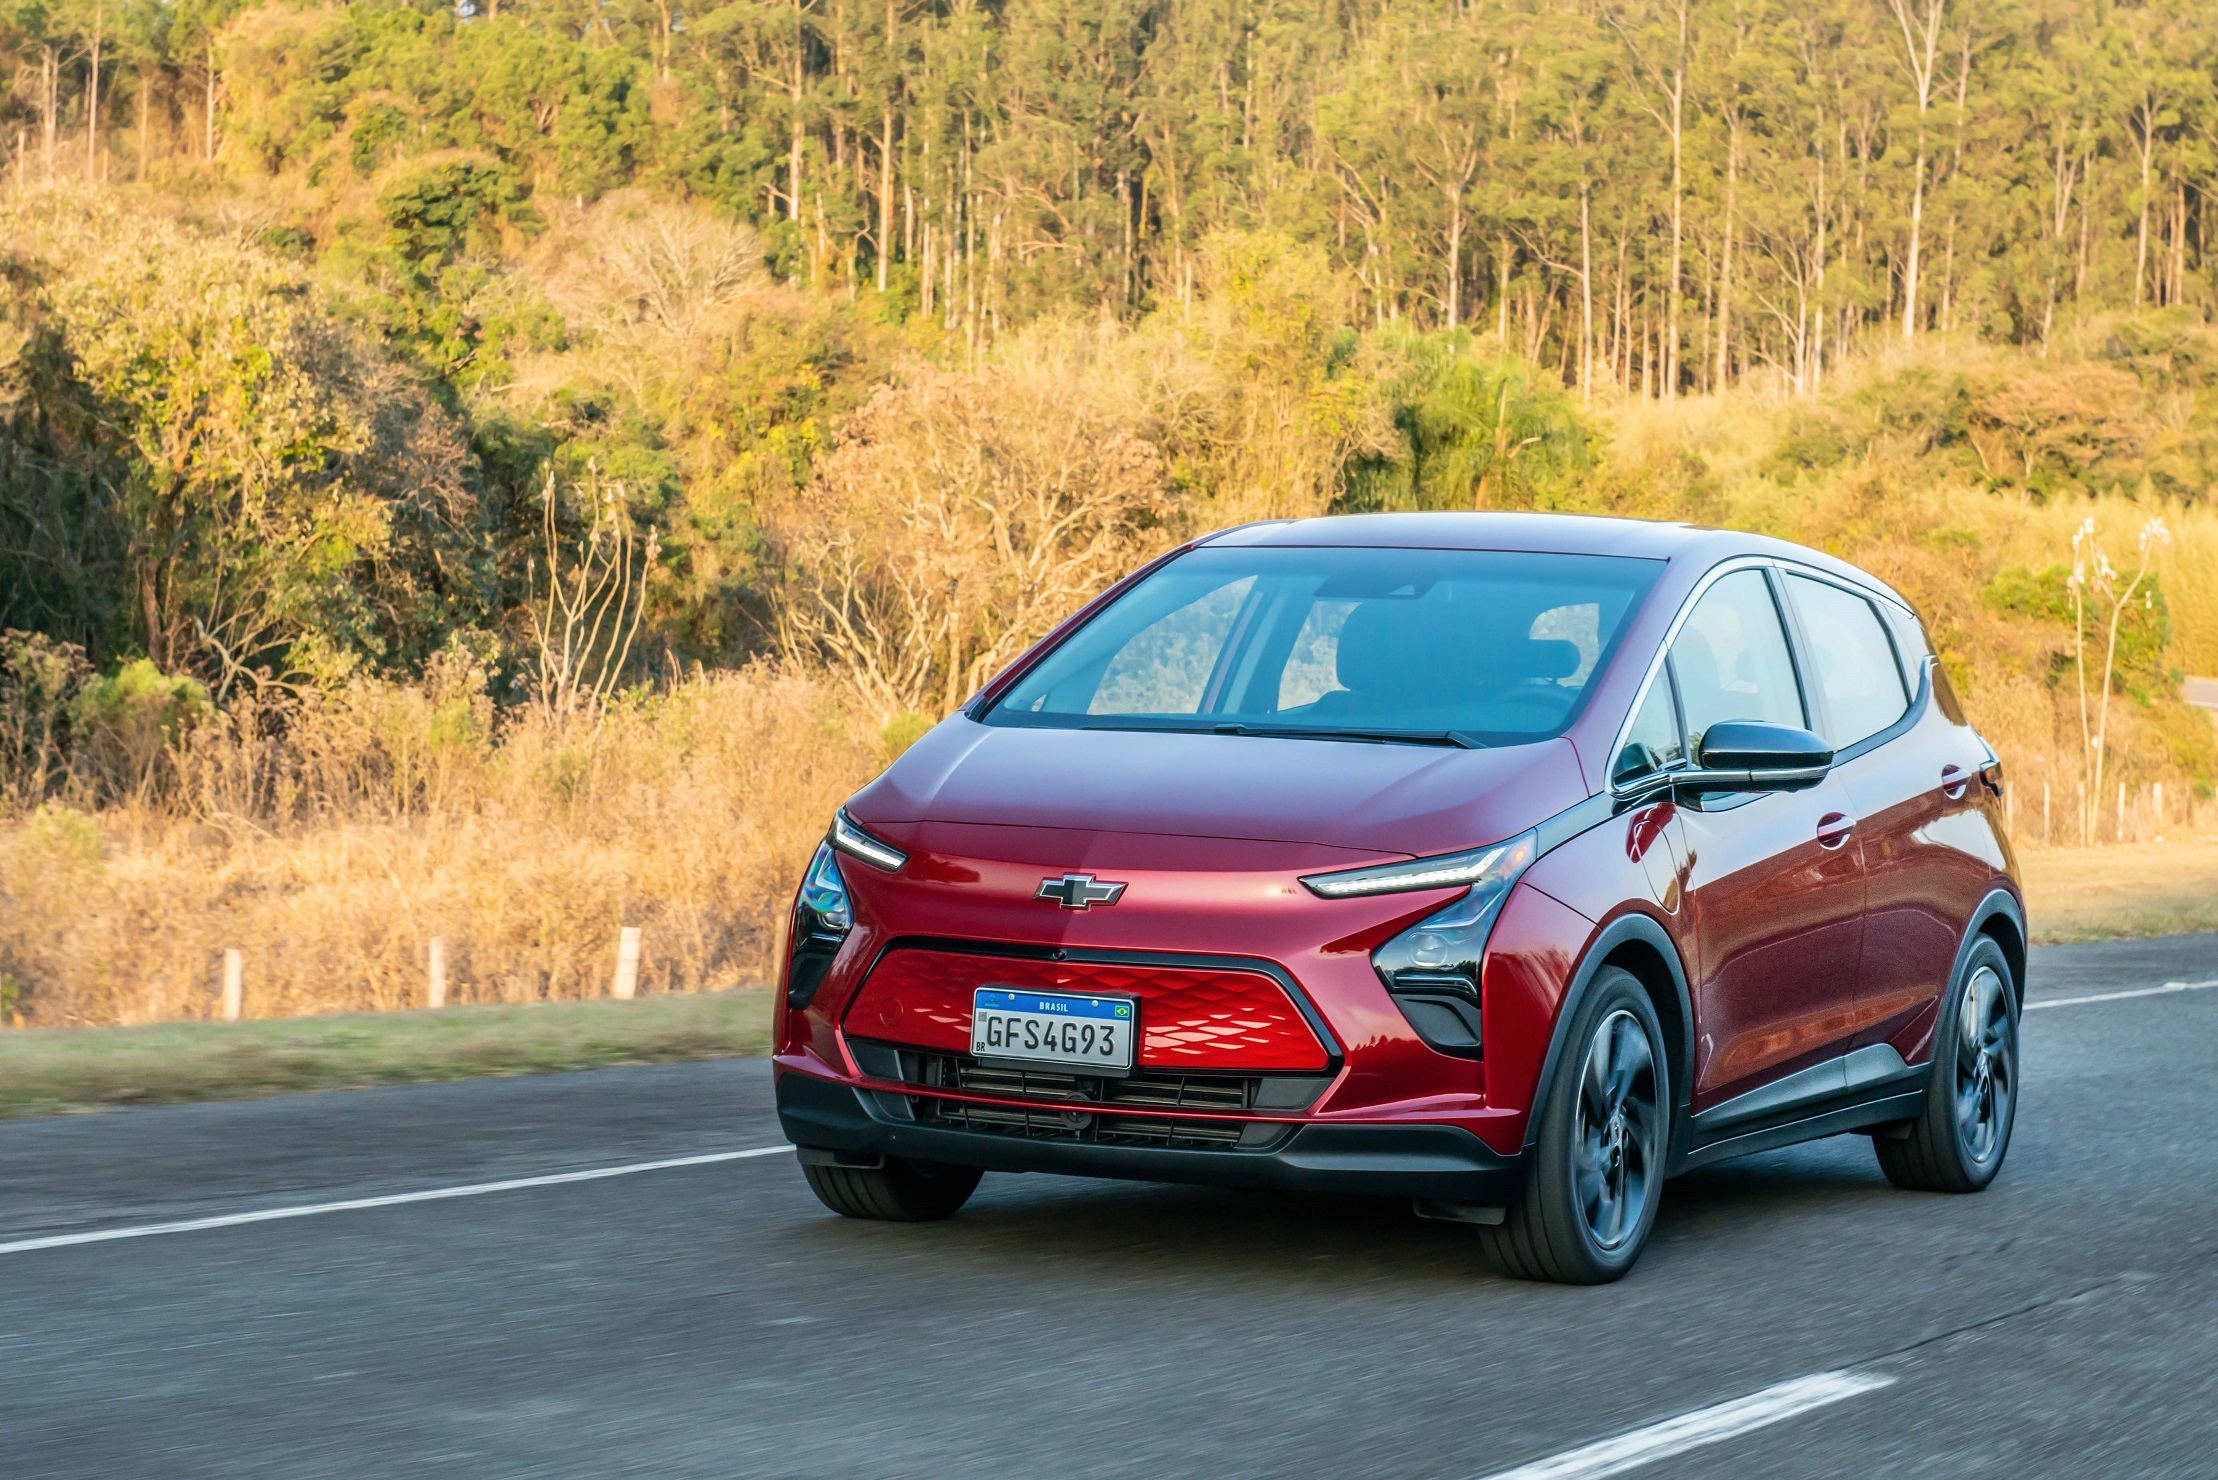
x=503, y=475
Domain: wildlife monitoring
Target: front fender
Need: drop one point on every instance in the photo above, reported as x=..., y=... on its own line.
x=1642, y=944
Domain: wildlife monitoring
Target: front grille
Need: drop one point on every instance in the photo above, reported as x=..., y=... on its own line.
x=1081, y=1107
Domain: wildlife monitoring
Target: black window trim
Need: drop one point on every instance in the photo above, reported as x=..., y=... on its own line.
x=1918, y=694
x=1777, y=567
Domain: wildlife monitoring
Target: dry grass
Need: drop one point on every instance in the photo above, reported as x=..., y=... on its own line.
x=1925, y=525
x=2117, y=893
x=333, y=861
x=47, y=1071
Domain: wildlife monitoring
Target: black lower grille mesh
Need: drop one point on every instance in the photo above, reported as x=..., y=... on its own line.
x=1080, y=1107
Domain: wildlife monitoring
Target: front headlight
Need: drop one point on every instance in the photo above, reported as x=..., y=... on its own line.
x=1432, y=969
x=822, y=916
x=824, y=892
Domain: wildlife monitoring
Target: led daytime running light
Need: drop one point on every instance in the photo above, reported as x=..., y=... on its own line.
x=852, y=840
x=1446, y=871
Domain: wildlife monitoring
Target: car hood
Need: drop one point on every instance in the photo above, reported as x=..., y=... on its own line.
x=1408, y=799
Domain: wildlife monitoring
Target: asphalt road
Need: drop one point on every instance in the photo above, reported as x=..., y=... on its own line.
x=714, y=1321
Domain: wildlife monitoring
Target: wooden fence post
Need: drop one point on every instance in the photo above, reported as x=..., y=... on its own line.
x=234, y=983
x=435, y=990
x=627, y=964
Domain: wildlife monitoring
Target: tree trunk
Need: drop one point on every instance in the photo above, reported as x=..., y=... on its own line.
x=1910, y=264
x=1501, y=292
x=92, y=100
x=794, y=92
x=1453, y=296
x=885, y=192
x=1918, y=55
x=1725, y=266
x=1586, y=295
x=2147, y=122
x=1678, y=207
x=50, y=104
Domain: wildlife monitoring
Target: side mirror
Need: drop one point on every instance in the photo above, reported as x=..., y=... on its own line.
x=1752, y=755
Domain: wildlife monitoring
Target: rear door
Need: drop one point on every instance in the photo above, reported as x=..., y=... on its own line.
x=1774, y=882
x=1898, y=763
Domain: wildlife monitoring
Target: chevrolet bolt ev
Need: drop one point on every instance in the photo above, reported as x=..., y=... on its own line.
x=1507, y=863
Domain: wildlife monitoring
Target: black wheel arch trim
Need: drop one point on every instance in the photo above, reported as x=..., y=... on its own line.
x=2000, y=903
x=1632, y=926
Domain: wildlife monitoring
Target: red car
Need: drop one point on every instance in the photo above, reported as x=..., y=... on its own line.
x=1508, y=863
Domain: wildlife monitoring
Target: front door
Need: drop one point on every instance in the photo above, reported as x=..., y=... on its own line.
x=1774, y=882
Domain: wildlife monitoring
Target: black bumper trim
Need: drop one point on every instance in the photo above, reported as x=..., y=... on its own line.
x=1439, y=1162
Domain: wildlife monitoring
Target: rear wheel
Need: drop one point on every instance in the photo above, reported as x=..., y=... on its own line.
x=898, y=1192
x=1957, y=1142
x=1595, y=1173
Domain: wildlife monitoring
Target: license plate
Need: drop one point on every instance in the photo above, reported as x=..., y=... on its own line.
x=1038, y=1028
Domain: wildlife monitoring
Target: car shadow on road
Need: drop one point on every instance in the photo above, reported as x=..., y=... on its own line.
x=1141, y=1229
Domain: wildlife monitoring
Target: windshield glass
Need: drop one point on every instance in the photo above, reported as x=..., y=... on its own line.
x=1455, y=646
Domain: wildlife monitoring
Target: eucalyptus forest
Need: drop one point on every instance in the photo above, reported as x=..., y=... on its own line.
x=1656, y=197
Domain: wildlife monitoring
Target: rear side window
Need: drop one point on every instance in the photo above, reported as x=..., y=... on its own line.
x=1856, y=667
x=1731, y=658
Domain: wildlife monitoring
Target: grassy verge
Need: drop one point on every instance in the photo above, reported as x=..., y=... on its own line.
x=2120, y=892
x=45, y=1071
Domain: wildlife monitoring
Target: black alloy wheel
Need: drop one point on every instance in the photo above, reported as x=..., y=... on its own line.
x=1958, y=1141
x=1595, y=1174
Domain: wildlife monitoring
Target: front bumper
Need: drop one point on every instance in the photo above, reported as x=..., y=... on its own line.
x=1435, y=1162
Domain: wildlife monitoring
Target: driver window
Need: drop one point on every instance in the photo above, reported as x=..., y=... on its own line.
x=1731, y=658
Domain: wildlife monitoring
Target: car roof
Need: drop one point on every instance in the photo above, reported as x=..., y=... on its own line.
x=1559, y=534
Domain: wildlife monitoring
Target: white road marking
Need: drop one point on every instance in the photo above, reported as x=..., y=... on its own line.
x=391, y=1200
x=2117, y=996
x=1703, y=1426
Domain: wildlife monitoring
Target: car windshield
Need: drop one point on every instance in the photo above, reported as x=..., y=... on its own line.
x=1465, y=647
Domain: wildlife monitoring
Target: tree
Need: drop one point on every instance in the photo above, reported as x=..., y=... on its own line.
x=285, y=501
x=1920, y=24
x=1660, y=45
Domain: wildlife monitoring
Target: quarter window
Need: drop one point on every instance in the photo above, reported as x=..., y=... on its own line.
x=1655, y=742
x=1731, y=658
x=1856, y=667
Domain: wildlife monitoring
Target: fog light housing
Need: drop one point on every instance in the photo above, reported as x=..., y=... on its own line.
x=1432, y=969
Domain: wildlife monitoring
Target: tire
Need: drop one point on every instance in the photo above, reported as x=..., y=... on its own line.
x=1594, y=1174
x=1958, y=1141
x=898, y=1192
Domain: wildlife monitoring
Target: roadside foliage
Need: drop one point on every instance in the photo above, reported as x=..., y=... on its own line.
x=505, y=473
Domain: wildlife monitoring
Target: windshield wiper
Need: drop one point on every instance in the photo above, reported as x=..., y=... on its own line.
x=1462, y=739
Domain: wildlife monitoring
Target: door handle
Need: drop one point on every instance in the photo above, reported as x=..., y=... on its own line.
x=1834, y=828
x=1954, y=779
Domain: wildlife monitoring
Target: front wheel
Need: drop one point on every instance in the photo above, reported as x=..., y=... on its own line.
x=1958, y=1140
x=898, y=1192
x=1595, y=1173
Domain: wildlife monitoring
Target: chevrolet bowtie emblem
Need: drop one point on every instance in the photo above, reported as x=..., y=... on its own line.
x=1078, y=891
